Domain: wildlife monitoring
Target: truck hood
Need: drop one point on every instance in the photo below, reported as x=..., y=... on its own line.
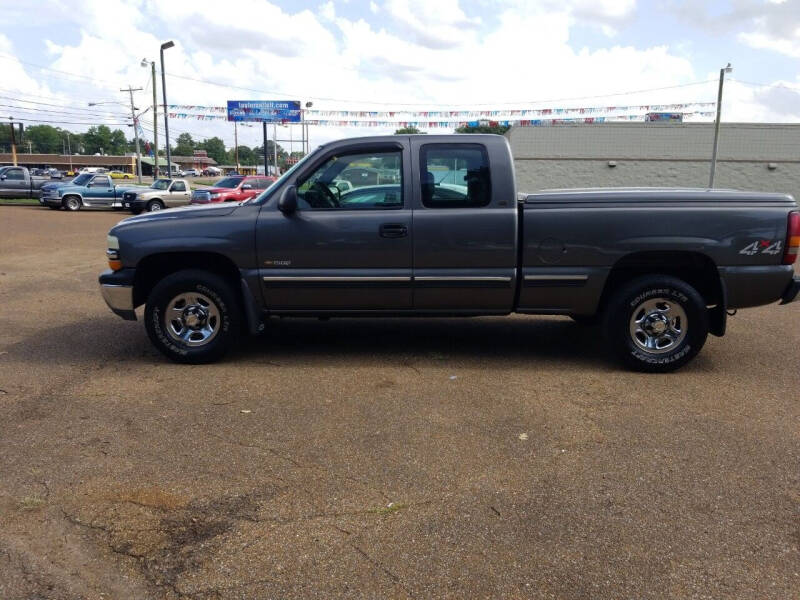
x=192, y=211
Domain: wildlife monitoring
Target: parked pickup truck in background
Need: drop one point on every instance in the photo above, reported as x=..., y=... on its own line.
x=163, y=193
x=88, y=190
x=234, y=188
x=450, y=236
x=17, y=182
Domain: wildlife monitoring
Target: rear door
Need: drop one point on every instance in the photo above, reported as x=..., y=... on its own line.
x=465, y=226
x=336, y=253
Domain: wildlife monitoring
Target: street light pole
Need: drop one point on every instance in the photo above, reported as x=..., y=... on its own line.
x=130, y=90
x=166, y=46
x=722, y=71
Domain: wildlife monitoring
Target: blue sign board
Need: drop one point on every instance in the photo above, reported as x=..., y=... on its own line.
x=269, y=111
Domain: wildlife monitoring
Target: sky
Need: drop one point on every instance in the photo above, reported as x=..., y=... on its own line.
x=393, y=55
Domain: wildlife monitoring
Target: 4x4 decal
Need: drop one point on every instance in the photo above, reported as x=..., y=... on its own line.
x=762, y=247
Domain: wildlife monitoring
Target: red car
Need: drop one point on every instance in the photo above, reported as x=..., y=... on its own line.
x=234, y=188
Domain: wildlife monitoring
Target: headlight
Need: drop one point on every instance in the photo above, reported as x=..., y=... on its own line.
x=112, y=253
x=216, y=195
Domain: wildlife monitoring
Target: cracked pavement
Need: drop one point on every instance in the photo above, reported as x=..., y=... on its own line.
x=380, y=458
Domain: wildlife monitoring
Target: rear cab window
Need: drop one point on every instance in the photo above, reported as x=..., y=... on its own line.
x=455, y=176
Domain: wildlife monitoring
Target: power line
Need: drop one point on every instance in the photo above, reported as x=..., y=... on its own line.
x=59, y=121
x=274, y=92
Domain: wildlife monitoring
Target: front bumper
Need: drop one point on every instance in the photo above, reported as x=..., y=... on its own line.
x=117, y=290
x=50, y=201
x=134, y=205
x=790, y=294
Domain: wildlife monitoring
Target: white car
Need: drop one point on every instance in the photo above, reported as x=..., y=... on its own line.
x=190, y=173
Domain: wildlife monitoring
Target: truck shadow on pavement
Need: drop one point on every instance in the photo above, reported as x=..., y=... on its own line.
x=489, y=341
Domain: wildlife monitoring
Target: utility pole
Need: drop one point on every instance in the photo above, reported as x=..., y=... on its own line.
x=275, y=146
x=236, y=144
x=13, y=143
x=69, y=151
x=155, y=122
x=30, y=147
x=722, y=72
x=266, y=153
x=130, y=90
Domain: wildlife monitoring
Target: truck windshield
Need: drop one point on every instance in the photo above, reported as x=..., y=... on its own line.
x=82, y=179
x=160, y=184
x=229, y=182
x=274, y=186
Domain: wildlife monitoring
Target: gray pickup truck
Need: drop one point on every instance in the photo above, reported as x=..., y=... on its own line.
x=443, y=232
x=17, y=182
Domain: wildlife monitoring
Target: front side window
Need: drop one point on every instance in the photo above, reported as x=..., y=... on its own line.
x=179, y=186
x=100, y=182
x=14, y=175
x=229, y=183
x=368, y=180
x=455, y=176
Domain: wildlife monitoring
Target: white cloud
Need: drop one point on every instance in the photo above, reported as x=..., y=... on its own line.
x=419, y=52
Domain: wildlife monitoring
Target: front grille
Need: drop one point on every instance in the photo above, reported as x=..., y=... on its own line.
x=201, y=196
x=129, y=196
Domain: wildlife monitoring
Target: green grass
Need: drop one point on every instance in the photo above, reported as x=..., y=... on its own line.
x=195, y=182
x=19, y=202
x=392, y=507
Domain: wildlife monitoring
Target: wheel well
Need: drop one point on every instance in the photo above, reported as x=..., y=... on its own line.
x=696, y=269
x=155, y=267
x=149, y=200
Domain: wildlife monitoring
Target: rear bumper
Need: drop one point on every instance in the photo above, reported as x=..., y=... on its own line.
x=790, y=294
x=116, y=288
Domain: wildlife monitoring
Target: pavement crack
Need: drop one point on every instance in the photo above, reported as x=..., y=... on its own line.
x=379, y=565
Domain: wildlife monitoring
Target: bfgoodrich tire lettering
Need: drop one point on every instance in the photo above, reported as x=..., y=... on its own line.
x=164, y=326
x=656, y=323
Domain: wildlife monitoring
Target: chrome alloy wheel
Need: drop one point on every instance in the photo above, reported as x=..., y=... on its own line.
x=658, y=325
x=192, y=318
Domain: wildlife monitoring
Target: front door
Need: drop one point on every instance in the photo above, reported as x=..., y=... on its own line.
x=348, y=246
x=99, y=192
x=14, y=184
x=465, y=228
x=178, y=194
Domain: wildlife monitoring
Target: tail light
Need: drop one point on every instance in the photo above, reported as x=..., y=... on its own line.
x=792, y=239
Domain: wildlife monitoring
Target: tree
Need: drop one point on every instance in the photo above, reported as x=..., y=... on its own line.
x=44, y=139
x=215, y=148
x=407, y=130
x=185, y=145
x=97, y=139
x=119, y=144
x=498, y=129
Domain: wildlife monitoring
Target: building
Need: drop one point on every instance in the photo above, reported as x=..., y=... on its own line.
x=752, y=156
x=66, y=162
x=200, y=160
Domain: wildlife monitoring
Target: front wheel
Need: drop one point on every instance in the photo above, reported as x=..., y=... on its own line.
x=154, y=205
x=192, y=316
x=72, y=203
x=656, y=323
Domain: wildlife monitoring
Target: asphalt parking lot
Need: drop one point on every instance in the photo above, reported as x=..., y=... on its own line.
x=491, y=457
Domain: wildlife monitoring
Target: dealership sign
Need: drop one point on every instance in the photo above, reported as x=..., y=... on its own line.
x=267, y=111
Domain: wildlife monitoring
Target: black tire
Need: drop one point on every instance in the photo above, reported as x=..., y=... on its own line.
x=54, y=207
x=136, y=211
x=72, y=203
x=200, y=286
x=155, y=205
x=672, y=317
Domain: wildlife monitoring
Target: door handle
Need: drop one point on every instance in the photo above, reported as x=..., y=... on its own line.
x=393, y=230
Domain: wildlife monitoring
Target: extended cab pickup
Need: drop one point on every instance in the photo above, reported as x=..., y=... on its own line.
x=162, y=193
x=86, y=190
x=17, y=182
x=449, y=235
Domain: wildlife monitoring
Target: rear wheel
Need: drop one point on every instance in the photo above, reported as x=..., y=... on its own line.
x=192, y=316
x=656, y=323
x=72, y=203
x=154, y=205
